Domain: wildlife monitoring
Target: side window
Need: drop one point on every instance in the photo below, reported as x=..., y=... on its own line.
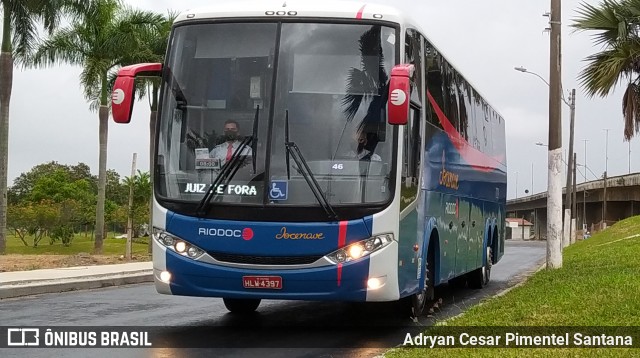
x=466, y=111
x=413, y=49
x=434, y=83
x=411, y=159
x=451, y=96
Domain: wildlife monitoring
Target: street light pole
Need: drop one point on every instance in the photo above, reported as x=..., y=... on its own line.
x=604, y=194
x=566, y=241
x=568, y=212
x=584, y=190
x=554, y=196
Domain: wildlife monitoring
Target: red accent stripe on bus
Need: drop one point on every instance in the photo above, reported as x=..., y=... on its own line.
x=342, y=233
x=342, y=240
x=478, y=160
x=359, y=14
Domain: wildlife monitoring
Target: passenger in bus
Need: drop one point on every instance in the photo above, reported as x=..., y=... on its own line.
x=232, y=138
x=359, y=148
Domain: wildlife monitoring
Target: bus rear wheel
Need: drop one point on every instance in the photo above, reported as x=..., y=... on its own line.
x=480, y=277
x=241, y=306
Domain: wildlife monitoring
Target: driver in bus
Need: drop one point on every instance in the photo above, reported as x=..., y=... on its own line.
x=359, y=149
x=224, y=151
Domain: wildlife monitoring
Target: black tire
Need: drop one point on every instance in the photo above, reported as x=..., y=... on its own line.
x=480, y=277
x=241, y=306
x=415, y=304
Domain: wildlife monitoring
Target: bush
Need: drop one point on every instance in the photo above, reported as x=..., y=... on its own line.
x=63, y=233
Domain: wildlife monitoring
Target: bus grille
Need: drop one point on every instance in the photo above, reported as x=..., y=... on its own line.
x=264, y=260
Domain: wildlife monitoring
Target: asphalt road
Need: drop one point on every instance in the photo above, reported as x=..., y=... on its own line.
x=289, y=328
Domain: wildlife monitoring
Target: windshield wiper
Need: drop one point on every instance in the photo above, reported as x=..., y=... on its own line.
x=303, y=168
x=229, y=169
x=254, y=135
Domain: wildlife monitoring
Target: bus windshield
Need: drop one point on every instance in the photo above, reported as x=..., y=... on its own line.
x=320, y=86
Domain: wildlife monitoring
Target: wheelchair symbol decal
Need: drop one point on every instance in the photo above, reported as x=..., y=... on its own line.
x=278, y=190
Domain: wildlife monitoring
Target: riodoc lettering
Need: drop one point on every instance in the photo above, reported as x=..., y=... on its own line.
x=219, y=232
x=451, y=208
x=299, y=235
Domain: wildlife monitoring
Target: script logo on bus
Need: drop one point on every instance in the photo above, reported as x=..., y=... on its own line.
x=448, y=179
x=299, y=235
x=246, y=233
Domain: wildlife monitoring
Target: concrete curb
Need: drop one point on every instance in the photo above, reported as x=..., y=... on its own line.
x=37, y=287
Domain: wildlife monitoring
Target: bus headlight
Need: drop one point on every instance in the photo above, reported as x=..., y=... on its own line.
x=181, y=246
x=176, y=244
x=360, y=249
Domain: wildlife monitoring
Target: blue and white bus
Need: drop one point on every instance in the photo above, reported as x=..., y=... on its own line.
x=318, y=151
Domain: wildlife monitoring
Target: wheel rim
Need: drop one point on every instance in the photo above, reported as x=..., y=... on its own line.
x=420, y=299
x=486, y=269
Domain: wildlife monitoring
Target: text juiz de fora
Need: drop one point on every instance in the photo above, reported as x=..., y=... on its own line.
x=517, y=340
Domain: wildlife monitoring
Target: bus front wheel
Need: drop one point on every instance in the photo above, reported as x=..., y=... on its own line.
x=241, y=306
x=415, y=304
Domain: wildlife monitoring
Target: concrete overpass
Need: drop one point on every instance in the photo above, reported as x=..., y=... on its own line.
x=623, y=201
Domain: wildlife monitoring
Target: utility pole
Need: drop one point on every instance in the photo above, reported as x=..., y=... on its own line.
x=566, y=240
x=130, y=211
x=554, y=196
x=574, y=201
x=516, y=185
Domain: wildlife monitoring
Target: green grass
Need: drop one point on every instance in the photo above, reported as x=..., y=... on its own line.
x=81, y=244
x=598, y=285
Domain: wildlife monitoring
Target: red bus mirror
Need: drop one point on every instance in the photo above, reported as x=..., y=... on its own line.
x=399, y=92
x=122, y=97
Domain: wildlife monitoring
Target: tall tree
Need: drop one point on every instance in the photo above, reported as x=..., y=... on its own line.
x=617, y=23
x=155, y=41
x=99, y=45
x=141, y=184
x=20, y=19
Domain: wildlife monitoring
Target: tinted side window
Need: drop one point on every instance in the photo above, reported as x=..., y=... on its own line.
x=411, y=159
x=413, y=49
x=433, y=66
x=451, y=96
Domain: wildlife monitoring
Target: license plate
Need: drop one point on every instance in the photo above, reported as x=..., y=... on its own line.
x=268, y=282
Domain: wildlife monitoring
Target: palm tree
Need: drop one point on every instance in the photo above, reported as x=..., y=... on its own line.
x=618, y=26
x=140, y=193
x=155, y=41
x=99, y=45
x=19, y=30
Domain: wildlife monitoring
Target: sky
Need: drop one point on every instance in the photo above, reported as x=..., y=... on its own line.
x=485, y=40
